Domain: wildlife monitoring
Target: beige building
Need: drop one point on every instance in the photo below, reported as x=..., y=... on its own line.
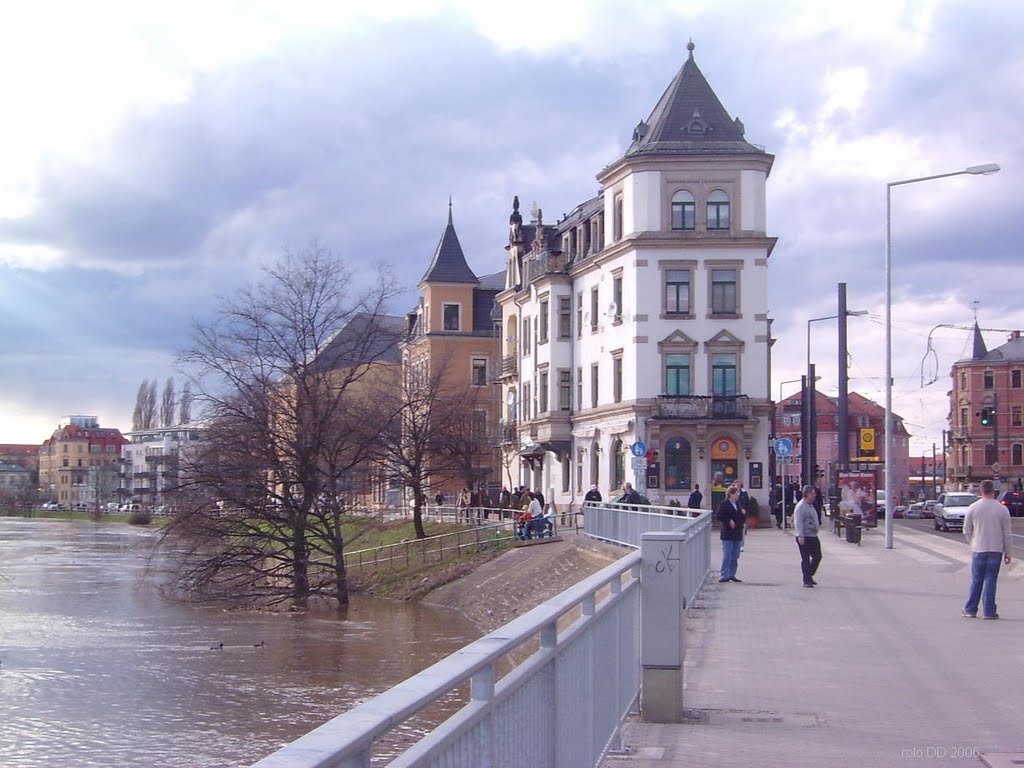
x=78, y=464
x=452, y=333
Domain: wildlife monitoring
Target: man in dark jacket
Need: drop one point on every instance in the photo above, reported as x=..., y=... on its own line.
x=696, y=498
x=593, y=494
x=630, y=496
x=730, y=518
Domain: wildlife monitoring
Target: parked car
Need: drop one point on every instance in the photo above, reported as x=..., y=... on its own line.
x=916, y=510
x=951, y=508
x=1014, y=501
x=929, y=508
x=899, y=511
x=51, y=505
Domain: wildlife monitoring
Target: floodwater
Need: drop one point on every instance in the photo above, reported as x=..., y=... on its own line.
x=97, y=668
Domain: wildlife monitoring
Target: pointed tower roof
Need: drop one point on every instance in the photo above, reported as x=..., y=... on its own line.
x=689, y=119
x=449, y=264
x=979, y=350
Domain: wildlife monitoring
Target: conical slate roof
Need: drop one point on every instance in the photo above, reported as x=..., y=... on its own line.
x=689, y=118
x=980, y=350
x=449, y=264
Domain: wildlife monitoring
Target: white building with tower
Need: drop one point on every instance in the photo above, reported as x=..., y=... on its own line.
x=641, y=316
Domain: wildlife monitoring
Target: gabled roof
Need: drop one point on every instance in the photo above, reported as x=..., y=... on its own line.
x=366, y=338
x=689, y=119
x=449, y=264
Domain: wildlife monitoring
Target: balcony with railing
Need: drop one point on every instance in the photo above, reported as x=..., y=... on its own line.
x=509, y=366
x=507, y=434
x=703, y=407
x=541, y=264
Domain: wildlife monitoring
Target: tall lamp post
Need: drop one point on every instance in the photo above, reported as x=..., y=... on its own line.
x=974, y=170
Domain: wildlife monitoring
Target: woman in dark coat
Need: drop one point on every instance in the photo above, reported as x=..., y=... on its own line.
x=730, y=518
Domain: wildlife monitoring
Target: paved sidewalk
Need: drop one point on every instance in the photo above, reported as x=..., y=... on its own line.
x=873, y=668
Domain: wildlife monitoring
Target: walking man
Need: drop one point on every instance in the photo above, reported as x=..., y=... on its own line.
x=730, y=517
x=805, y=520
x=696, y=498
x=987, y=529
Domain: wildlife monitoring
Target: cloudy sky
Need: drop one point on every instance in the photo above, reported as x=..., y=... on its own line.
x=154, y=155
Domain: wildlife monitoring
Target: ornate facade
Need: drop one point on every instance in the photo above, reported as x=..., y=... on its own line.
x=641, y=316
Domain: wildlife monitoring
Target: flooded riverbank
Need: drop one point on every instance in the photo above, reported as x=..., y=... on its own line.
x=97, y=668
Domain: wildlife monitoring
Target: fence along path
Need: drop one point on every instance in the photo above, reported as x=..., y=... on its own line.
x=563, y=706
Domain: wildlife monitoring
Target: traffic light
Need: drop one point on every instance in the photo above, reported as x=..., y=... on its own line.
x=988, y=416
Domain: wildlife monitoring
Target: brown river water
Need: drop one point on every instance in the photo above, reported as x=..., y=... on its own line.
x=97, y=668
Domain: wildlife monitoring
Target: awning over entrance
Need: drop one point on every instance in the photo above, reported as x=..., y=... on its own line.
x=536, y=451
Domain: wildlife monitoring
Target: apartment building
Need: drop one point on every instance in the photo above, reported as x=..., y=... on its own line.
x=641, y=316
x=78, y=463
x=986, y=415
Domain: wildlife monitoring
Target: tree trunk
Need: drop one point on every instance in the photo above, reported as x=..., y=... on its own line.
x=417, y=516
x=300, y=566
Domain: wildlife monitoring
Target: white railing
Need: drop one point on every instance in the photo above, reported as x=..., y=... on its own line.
x=626, y=523
x=600, y=642
x=561, y=707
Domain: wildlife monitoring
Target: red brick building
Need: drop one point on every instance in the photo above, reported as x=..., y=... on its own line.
x=986, y=415
x=863, y=414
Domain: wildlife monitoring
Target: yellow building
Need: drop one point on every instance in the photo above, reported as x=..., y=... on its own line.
x=78, y=464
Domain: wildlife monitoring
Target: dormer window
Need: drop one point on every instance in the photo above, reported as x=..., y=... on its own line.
x=697, y=126
x=684, y=208
x=718, y=210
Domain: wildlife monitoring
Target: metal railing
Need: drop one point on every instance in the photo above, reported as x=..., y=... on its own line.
x=432, y=548
x=561, y=706
x=703, y=407
x=564, y=705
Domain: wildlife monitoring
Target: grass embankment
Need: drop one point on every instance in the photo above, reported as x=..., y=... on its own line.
x=76, y=514
x=410, y=580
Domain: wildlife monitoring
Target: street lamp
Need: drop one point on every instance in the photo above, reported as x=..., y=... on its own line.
x=850, y=313
x=793, y=381
x=974, y=170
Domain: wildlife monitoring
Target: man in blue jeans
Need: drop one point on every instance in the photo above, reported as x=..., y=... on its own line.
x=987, y=529
x=730, y=517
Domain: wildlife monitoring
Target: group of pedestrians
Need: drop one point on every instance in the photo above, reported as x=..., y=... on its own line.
x=987, y=529
x=533, y=518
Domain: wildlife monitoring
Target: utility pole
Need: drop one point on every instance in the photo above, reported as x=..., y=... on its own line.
x=844, y=385
x=804, y=422
x=812, y=426
x=995, y=438
x=935, y=490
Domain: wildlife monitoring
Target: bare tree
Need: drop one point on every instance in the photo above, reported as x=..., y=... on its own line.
x=147, y=417
x=466, y=439
x=420, y=420
x=167, y=403
x=140, y=405
x=283, y=374
x=185, y=404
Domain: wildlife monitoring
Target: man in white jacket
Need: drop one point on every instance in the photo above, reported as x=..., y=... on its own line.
x=987, y=529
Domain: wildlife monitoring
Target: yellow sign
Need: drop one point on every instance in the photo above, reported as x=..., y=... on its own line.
x=867, y=442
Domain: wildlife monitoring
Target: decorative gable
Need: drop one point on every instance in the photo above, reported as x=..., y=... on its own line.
x=723, y=340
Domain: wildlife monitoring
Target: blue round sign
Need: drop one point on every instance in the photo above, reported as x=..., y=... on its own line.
x=783, y=446
x=638, y=449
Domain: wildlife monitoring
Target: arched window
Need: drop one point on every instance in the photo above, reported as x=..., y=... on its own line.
x=677, y=461
x=718, y=210
x=684, y=209
x=618, y=458
x=1017, y=454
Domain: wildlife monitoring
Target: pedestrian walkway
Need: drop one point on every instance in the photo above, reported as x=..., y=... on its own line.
x=875, y=667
